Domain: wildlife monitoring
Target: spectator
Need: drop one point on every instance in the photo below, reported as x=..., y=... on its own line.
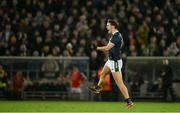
x=76, y=78
x=43, y=25
x=44, y=85
x=153, y=48
x=142, y=34
x=50, y=69
x=167, y=80
x=3, y=81
x=162, y=47
x=62, y=83
x=173, y=49
x=18, y=81
x=94, y=60
x=136, y=81
x=178, y=42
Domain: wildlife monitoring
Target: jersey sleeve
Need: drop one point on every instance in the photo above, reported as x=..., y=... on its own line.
x=114, y=40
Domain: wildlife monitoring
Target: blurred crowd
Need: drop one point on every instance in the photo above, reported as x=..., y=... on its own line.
x=76, y=27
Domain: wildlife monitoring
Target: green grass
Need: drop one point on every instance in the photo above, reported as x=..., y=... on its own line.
x=69, y=106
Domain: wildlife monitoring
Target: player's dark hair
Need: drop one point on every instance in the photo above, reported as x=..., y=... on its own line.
x=113, y=23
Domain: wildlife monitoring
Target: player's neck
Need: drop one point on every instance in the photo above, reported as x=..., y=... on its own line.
x=114, y=31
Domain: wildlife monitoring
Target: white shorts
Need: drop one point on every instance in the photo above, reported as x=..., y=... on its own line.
x=75, y=90
x=115, y=66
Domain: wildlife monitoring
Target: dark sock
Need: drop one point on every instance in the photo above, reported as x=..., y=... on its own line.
x=128, y=100
x=97, y=87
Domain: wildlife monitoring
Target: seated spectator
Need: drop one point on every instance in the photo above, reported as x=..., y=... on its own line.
x=50, y=69
x=37, y=26
x=3, y=81
x=62, y=83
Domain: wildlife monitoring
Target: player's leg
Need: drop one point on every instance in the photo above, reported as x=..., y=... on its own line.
x=104, y=73
x=119, y=81
x=117, y=75
x=99, y=87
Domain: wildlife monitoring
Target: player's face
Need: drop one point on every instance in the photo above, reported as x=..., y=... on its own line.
x=108, y=27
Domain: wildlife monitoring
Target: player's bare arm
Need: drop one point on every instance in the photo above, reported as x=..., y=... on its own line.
x=107, y=47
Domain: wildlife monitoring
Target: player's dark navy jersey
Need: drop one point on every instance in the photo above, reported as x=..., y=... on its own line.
x=115, y=52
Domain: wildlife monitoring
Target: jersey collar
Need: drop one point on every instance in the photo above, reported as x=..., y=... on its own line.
x=114, y=32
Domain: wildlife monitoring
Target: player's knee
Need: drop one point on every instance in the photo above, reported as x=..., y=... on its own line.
x=103, y=76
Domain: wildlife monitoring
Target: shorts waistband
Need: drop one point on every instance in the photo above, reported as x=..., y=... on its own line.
x=114, y=60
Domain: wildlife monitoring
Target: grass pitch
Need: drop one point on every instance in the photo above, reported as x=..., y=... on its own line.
x=73, y=106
